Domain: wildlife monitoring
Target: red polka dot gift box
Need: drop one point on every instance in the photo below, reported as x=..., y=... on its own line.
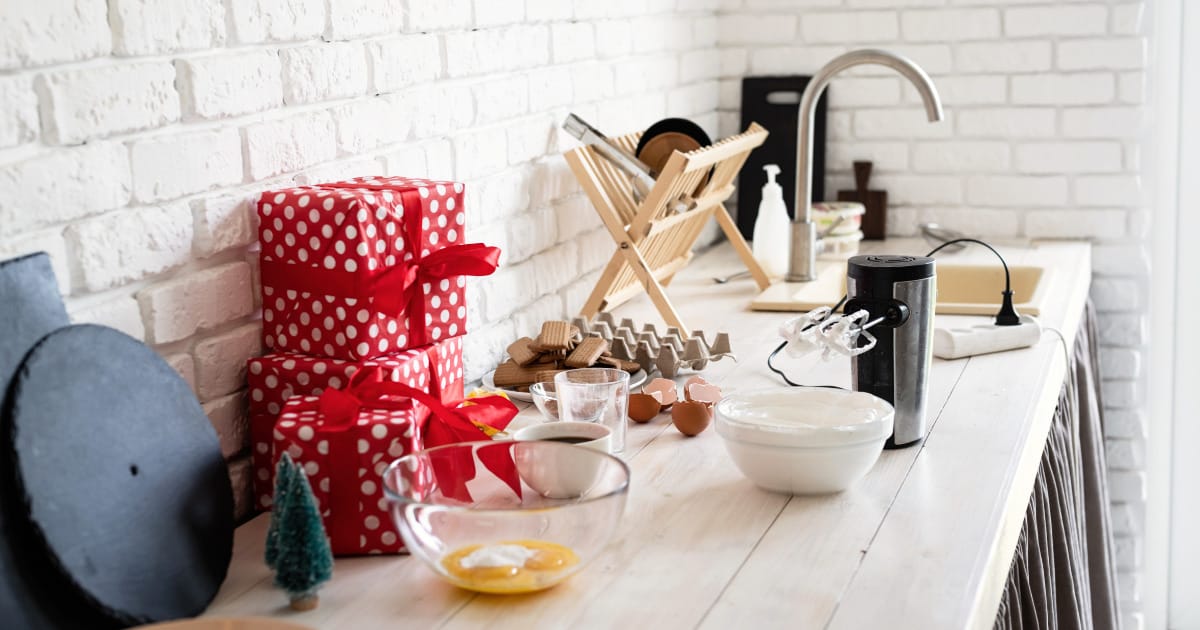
x=275, y=378
x=357, y=269
x=344, y=439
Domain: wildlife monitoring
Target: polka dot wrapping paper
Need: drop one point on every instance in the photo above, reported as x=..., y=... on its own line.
x=275, y=378
x=345, y=465
x=357, y=269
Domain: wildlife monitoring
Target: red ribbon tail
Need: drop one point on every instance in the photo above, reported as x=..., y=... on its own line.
x=452, y=472
x=493, y=411
x=498, y=458
x=470, y=259
x=450, y=426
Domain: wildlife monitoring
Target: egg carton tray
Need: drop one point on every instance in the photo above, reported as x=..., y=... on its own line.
x=668, y=353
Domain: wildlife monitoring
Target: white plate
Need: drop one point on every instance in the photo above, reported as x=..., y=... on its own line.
x=635, y=380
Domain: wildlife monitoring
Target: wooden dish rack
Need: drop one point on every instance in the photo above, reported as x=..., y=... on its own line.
x=653, y=240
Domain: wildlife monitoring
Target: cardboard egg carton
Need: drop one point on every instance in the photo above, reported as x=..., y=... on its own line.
x=669, y=352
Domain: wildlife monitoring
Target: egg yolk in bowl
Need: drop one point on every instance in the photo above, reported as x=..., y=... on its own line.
x=518, y=566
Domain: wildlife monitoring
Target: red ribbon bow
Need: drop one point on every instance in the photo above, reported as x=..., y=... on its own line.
x=369, y=388
x=397, y=289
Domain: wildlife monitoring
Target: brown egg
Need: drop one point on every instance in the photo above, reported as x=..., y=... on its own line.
x=691, y=418
x=643, y=407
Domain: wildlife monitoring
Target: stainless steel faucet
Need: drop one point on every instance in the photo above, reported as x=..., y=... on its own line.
x=804, y=231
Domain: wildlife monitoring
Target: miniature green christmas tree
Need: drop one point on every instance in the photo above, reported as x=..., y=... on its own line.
x=297, y=548
x=284, y=472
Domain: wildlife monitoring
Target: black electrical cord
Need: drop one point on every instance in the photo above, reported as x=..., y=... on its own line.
x=771, y=357
x=771, y=365
x=1008, y=314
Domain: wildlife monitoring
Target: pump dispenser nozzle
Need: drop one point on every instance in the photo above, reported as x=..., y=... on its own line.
x=771, y=190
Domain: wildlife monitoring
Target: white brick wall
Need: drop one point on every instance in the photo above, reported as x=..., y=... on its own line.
x=39, y=33
x=83, y=104
x=229, y=84
x=135, y=133
x=147, y=27
x=1045, y=117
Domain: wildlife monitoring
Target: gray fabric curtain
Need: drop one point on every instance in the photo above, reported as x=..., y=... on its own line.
x=1063, y=575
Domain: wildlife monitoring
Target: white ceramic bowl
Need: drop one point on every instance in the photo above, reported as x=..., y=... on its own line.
x=804, y=440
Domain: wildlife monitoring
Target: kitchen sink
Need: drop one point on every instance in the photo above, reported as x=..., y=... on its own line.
x=961, y=289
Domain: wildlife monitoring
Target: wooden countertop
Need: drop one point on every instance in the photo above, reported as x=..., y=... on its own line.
x=924, y=541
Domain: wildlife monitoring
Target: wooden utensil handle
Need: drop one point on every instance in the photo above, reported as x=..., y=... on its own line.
x=862, y=175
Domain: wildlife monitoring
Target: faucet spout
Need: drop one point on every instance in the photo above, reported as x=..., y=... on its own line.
x=804, y=235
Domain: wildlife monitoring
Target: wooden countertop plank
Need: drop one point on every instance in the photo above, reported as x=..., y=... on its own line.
x=838, y=527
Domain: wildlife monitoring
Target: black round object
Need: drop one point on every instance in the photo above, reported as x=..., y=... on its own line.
x=128, y=505
x=884, y=270
x=681, y=126
x=668, y=135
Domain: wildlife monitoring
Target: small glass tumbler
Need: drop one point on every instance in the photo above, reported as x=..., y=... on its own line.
x=595, y=395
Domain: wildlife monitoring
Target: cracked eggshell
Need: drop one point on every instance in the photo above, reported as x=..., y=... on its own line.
x=691, y=417
x=687, y=385
x=702, y=391
x=663, y=390
x=643, y=407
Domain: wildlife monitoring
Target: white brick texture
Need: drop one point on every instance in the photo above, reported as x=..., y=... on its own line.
x=403, y=61
x=440, y=15
x=350, y=19
x=120, y=313
x=254, y=21
x=230, y=84
x=80, y=105
x=38, y=33
x=148, y=27
x=19, y=120
x=940, y=25
x=52, y=187
x=1055, y=20
x=322, y=72
x=843, y=28
x=229, y=417
x=223, y=222
x=289, y=144
x=178, y=308
x=221, y=361
x=168, y=167
x=131, y=244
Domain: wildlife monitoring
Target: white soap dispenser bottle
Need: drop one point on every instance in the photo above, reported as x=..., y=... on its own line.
x=771, y=228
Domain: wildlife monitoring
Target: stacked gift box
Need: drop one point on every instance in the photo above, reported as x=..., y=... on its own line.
x=363, y=301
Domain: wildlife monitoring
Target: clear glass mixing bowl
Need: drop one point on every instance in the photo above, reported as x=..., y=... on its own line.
x=458, y=509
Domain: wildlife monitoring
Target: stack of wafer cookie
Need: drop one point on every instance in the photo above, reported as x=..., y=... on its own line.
x=559, y=346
